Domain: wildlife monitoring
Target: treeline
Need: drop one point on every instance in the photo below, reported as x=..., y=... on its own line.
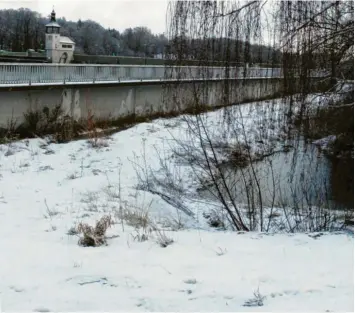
x=24, y=29
x=225, y=50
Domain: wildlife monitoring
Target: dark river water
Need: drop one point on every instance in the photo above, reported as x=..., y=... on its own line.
x=302, y=177
x=307, y=177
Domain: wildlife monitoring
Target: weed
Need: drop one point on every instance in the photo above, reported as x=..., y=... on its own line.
x=137, y=218
x=162, y=239
x=214, y=220
x=140, y=235
x=73, y=176
x=92, y=200
x=50, y=212
x=221, y=251
x=94, y=236
x=72, y=231
x=258, y=300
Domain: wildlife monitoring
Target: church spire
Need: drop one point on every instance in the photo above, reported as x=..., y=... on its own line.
x=53, y=16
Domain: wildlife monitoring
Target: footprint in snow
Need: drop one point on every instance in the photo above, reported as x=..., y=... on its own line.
x=188, y=291
x=41, y=310
x=16, y=289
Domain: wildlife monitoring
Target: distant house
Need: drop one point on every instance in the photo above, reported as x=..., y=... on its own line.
x=59, y=49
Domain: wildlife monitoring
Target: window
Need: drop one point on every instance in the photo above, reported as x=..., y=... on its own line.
x=52, y=30
x=67, y=46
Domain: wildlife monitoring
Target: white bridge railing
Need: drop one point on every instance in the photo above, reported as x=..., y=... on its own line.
x=36, y=74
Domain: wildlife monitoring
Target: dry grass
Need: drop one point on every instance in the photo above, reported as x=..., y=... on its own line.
x=215, y=219
x=92, y=200
x=73, y=176
x=163, y=239
x=94, y=236
x=144, y=226
x=173, y=223
x=140, y=235
x=48, y=121
x=96, y=139
x=8, y=134
x=137, y=218
x=257, y=300
x=112, y=193
x=50, y=212
x=98, y=143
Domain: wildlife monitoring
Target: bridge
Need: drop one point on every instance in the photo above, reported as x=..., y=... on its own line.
x=118, y=91
x=19, y=74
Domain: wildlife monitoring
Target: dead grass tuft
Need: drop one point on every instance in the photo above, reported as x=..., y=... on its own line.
x=144, y=226
x=257, y=300
x=98, y=143
x=140, y=235
x=215, y=220
x=49, y=121
x=163, y=239
x=137, y=218
x=94, y=236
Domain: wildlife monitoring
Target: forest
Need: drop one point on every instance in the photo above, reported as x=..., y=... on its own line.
x=24, y=29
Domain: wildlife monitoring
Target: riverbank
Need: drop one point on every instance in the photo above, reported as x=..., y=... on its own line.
x=48, y=189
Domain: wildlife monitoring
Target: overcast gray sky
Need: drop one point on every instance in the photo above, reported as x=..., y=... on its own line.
x=119, y=14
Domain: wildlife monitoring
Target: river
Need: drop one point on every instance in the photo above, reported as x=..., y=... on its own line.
x=302, y=177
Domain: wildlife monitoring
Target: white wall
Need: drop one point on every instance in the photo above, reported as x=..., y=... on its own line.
x=119, y=100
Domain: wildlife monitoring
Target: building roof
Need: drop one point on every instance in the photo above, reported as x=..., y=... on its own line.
x=53, y=21
x=52, y=24
x=64, y=39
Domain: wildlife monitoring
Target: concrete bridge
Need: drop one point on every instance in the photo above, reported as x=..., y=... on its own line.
x=120, y=90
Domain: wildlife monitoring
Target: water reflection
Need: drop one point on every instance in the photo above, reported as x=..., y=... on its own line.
x=300, y=178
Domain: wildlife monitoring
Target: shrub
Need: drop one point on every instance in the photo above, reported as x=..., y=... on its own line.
x=49, y=121
x=214, y=220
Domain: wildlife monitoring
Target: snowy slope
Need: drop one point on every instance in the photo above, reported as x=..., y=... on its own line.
x=47, y=189
x=42, y=270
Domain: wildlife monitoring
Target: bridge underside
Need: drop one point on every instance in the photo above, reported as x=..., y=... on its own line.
x=140, y=99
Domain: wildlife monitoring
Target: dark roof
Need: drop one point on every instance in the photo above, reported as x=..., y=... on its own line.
x=53, y=22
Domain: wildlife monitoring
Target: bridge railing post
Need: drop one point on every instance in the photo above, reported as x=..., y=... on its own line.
x=94, y=75
x=37, y=72
x=28, y=72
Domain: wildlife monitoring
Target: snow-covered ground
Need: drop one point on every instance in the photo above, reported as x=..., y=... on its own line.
x=46, y=189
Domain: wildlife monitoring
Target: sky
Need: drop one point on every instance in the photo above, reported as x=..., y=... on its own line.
x=109, y=13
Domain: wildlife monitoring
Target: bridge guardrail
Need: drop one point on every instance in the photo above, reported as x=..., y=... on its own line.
x=19, y=73
x=13, y=74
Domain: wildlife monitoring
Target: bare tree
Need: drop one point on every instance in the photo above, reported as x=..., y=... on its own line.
x=225, y=154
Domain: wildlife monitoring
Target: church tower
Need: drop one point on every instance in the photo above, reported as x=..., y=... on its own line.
x=52, y=39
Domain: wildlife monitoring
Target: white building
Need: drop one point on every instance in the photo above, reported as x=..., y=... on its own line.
x=58, y=49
